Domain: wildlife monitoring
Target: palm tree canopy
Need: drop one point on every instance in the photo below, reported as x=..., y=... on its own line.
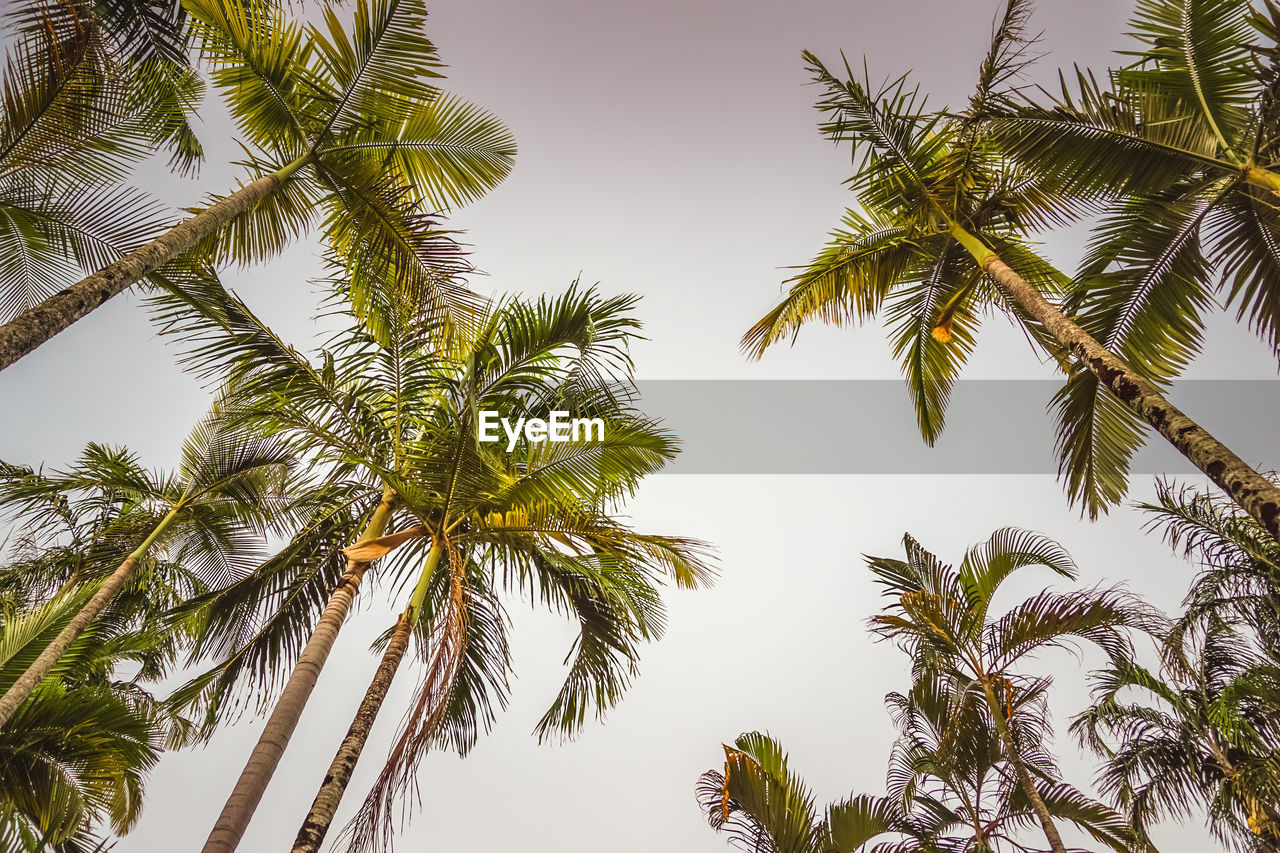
x=87, y=96
x=391, y=404
x=348, y=115
x=919, y=173
x=1178, y=152
x=1199, y=732
x=76, y=754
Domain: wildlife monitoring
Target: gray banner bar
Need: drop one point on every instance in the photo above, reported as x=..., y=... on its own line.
x=869, y=427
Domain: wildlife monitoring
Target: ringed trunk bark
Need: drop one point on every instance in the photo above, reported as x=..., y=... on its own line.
x=262, y=763
x=48, y=659
x=1257, y=495
x=36, y=325
x=325, y=806
x=1024, y=776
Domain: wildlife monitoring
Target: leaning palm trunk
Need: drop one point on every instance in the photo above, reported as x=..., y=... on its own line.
x=36, y=325
x=325, y=806
x=1025, y=781
x=262, y=763
x=48, y=659
x=1257, y=495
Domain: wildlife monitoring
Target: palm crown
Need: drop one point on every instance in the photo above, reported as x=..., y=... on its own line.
x=1179, y=148
x=342, y=129
x=386, y=410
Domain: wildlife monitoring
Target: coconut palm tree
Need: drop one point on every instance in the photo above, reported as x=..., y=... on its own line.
x=537, y=517
x=1181, y=147
x=942, y=233
x=226, y=492
x=341, y=126
x=941, y=616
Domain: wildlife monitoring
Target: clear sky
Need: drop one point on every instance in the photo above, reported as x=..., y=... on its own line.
x=668, y=149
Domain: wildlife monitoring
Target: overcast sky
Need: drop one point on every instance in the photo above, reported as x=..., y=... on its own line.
x=668, y=149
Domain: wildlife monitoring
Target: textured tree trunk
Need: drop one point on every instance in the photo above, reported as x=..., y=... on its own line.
x=262, y=763
x=33, y=327
x=1257, y=495
x=1024, y=776
x=48, y=659
x=325, y=805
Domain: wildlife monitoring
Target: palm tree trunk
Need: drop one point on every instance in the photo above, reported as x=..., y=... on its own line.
x=48, y=659
x=1257, y=495
x=325, y=806
x=262, y=763
x=33, y=327
x=1024, y=775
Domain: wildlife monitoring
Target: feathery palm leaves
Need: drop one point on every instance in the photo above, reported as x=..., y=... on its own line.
x=1180, y=148
x=76, y=117
x=391, y=409
x=941, y=616
x=342, y=127
x=1204, y=734
x=943, y=233
x=1201, y=732
x=76, y=753
x=207, y=516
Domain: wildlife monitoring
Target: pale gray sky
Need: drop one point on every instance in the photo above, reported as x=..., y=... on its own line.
x=669, y=149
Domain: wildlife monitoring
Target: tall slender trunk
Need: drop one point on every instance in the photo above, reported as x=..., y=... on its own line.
x=36, y=325
x=1257, y=495
x=325, y=806
x=262, y=763
x=48, y=659
x=1020, y=768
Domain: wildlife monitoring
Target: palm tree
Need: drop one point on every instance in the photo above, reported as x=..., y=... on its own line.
x=1205, y=734
x=1182, y=148
x=536, y=517
x=227, y=490
x=1239, y=578
x=765, y=807
x=949, y=789
x=348, y=417
x=344, y=125
x=942, y=231
x=363, y=413
x=941, y=616
x=76, y=118
x=77, y=751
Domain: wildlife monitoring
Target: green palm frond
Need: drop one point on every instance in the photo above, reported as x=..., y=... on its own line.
x=1094, y=147
x=846, y=283
x=47, y=240
x=933, y=326
x=1246, y=233
x=757, y=800
x=1204, y=67
x=383, y=55
x=73, y=758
